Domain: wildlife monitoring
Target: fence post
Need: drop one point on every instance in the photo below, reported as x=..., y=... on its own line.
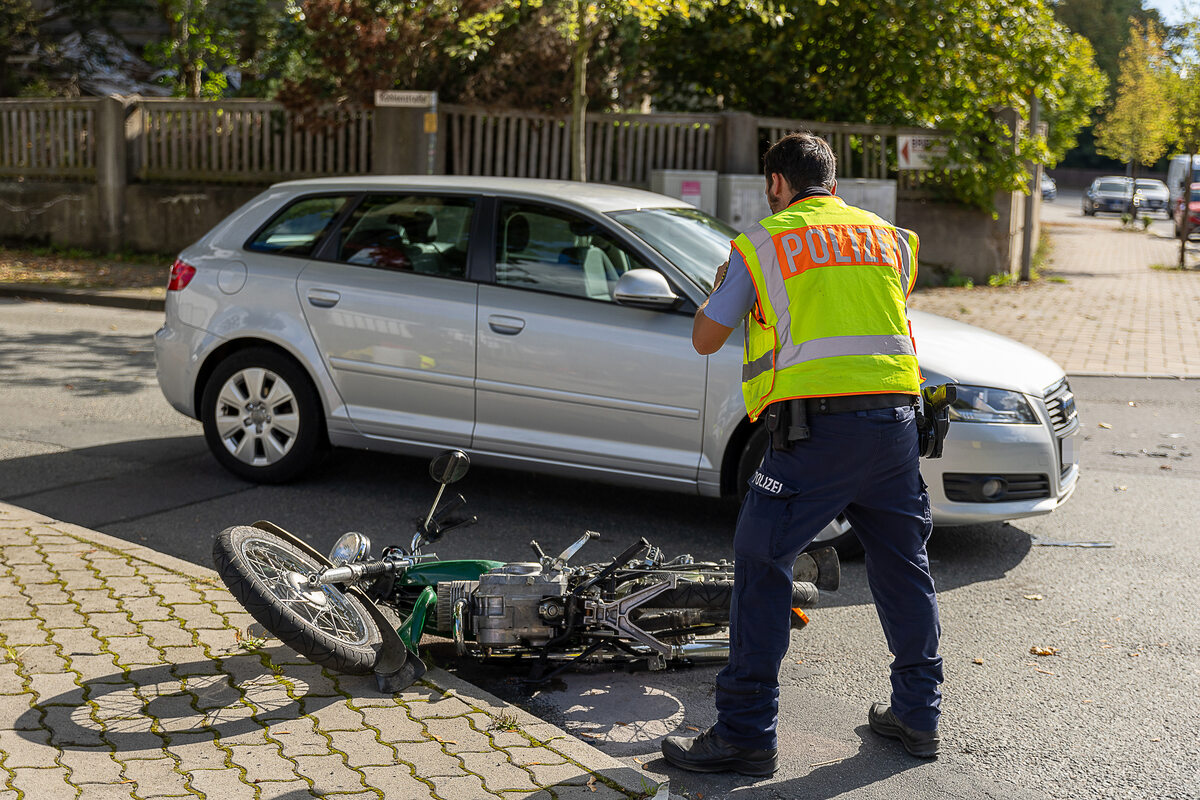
x=405, y=139
x=739, y=144
x=110, y=171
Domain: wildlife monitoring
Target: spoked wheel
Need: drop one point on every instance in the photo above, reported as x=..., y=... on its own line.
x=268, y=576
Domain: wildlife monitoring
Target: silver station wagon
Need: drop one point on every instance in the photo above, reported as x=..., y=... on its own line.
x=536, y=325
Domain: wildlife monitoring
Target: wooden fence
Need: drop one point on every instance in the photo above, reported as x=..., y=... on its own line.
x=621, y=148
x=258, y=142
x=243, y=141
x=48, y=138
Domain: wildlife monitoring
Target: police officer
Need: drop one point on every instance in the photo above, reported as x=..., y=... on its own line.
x=821, y=288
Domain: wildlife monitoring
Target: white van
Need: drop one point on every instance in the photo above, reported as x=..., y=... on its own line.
x=1177, y=172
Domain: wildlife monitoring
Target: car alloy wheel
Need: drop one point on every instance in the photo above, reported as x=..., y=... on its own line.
x=262, y=419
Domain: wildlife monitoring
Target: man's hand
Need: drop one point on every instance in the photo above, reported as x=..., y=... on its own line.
x=721, y=270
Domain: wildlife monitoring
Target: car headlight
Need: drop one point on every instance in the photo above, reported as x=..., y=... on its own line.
x=350, y=547
x=980, y=404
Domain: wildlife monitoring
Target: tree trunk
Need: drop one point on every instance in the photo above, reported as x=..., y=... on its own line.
x=579, y=58
x=1186, y=199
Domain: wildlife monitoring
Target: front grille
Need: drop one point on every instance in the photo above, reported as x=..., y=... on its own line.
x=966, y=487
x=1060, y=404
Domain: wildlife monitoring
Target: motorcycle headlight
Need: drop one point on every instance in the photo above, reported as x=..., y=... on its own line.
x=350, y=547
x=980, y=404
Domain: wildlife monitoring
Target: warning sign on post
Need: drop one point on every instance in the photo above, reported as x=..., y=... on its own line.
x=918, y=152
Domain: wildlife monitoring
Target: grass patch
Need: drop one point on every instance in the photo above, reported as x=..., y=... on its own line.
x=507, y=721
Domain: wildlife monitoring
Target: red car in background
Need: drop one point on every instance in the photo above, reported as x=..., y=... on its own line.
x=1193, y=209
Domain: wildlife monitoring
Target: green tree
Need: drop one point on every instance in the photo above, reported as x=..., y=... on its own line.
x=944, y=64
x=585, y=23
x=1136, y=129
x=1106, y=24
x=18, y=28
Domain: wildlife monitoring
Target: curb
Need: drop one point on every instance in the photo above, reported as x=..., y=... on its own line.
x=605, y=767
x=138, y=300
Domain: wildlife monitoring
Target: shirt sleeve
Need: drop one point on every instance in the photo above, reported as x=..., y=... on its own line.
x=730, y=302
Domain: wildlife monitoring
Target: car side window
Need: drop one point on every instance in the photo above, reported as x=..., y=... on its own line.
x=549, y=250
x=409, y=233
x=297, y=229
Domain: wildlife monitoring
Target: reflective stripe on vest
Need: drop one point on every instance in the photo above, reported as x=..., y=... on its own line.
x=792, y=354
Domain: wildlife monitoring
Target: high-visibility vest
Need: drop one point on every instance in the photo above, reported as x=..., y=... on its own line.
x=832, y=283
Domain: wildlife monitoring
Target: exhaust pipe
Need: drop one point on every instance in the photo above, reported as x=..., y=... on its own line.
x=704, y=651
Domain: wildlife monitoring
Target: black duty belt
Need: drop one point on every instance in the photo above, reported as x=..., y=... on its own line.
x=842, y=404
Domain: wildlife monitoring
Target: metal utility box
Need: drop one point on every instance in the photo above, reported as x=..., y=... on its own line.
x=872, y=195
x=742, y=199
x=695, y=186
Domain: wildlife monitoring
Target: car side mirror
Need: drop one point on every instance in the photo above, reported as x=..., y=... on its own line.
x=645, y=288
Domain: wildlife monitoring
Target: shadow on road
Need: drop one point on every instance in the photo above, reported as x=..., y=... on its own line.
x=52, y=359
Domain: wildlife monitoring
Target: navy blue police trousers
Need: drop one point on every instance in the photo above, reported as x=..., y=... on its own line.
x=864, y=463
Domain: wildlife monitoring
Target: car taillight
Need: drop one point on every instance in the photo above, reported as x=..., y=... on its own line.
x=181, y=275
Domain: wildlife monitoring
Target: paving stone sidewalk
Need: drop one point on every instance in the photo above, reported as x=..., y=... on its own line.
x=1104, y=311
x=129, y=674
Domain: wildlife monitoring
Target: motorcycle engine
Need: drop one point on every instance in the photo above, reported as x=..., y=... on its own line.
x=518, y=604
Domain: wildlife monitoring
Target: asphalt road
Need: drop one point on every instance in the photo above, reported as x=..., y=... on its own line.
x=86, y=437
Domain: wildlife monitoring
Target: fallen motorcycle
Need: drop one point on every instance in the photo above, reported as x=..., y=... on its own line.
x=358, y=614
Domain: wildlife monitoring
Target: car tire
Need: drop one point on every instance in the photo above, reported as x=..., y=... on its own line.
x=262, y=417
x=838, y=534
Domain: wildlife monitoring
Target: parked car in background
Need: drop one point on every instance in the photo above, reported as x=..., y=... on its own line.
x=1049, y=187
x=1179, y=176
x=1193, y=207
x=537, y=325
x=1150, y=194
x=1112, y=193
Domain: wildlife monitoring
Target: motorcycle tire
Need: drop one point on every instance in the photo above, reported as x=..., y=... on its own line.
x=718, y=595
x=325, y=625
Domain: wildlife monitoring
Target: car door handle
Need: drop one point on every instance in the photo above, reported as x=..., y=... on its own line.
x=323, y=298
x=509, y=326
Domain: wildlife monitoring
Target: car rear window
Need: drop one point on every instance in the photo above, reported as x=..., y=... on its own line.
x=297, y=229
x=1113, y=186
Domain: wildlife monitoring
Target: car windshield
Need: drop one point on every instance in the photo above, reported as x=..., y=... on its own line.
x=687, y=237
x=1148, y=184
x=1113, y=186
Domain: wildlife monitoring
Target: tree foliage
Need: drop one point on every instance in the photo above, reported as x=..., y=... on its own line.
x=947, y=64
x=1135, y=130
x=1106, y=24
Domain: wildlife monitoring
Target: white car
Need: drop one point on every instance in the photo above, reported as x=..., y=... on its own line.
x=538, y=325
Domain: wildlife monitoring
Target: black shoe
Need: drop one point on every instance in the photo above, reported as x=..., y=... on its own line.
x=922, y=744
x=710, y=753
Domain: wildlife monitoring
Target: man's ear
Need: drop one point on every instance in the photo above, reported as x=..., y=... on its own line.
x=833, y=188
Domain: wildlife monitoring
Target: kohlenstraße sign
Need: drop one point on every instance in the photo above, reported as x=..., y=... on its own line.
x=405, y=99
x=918, y=152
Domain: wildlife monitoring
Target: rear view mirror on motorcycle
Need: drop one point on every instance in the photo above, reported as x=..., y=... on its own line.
x=449, y=467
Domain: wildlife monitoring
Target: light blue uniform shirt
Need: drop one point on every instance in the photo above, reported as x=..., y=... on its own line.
x=730, y=302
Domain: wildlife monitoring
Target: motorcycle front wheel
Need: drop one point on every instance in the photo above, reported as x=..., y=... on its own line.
x=267, y=575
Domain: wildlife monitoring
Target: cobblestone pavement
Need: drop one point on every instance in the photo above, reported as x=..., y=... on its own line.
x=1103, y=310
x=128, y=674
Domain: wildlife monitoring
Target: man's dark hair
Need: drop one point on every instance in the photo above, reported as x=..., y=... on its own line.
x=805, y=160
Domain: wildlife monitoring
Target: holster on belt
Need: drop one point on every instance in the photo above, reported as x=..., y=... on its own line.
x=787, y=423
